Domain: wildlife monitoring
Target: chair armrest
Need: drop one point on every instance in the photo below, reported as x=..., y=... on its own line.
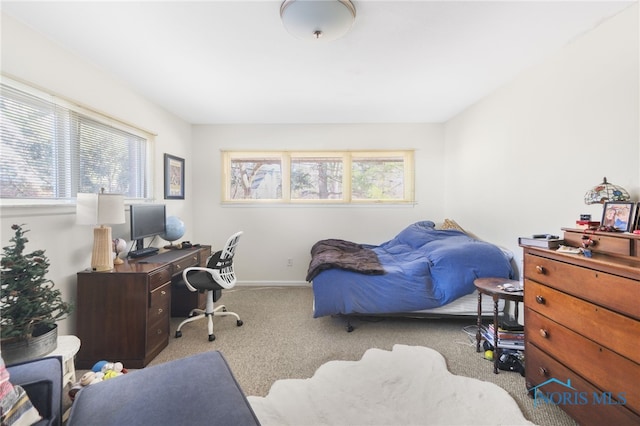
x=42, y=380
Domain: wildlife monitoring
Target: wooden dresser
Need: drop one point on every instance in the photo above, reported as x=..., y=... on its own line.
x=582, y=329
x=123, y=314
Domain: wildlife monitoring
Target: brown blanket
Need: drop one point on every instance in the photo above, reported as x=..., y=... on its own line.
x=333, y=253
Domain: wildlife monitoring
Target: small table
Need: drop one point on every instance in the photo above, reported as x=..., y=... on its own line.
x=493, y=287
x=68, y=347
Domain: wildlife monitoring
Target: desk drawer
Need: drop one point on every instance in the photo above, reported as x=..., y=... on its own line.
x=614, y=292
x=182, y=264
x=604, y=368
x=159, y=277
x=541, y=368
x=158, y=320
x=157, y=335
x=159, y=301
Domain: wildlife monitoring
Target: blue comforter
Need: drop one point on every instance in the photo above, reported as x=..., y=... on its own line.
x=424, y=268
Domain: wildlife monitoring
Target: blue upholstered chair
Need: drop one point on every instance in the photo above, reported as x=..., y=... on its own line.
x=218, y=275
x=42, y=381
x=178, y=392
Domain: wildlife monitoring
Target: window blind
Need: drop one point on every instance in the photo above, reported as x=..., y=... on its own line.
x=50, y=151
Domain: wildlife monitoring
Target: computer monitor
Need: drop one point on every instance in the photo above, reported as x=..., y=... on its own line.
x=147, y=220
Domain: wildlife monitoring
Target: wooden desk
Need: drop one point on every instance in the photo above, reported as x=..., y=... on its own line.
x=492, y=287
x=123, y=314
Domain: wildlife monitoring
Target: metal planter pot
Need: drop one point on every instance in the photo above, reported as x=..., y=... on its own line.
x=15, y=351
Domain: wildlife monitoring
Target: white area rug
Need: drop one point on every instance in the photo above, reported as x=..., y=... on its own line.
x=409, y=385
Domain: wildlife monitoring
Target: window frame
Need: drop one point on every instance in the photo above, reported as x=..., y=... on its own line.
x=347, y=156
x=69, y=171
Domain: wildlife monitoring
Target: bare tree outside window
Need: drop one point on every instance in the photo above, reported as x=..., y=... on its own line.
x=320, y=177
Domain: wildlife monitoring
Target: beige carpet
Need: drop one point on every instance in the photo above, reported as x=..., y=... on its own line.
x=281, y=340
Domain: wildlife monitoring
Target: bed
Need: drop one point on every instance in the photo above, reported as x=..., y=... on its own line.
x=422, y=270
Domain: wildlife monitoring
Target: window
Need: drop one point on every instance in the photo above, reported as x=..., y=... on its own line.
x=318, y=177
x=51, y=150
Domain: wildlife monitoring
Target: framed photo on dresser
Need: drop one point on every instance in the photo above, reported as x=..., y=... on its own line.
x=637, y=221
x=618, y=215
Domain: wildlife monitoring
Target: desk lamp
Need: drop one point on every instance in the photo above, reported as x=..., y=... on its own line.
x=101, y=210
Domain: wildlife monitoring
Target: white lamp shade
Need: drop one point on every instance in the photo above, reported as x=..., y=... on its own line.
x=322, y=20
x=99, y=209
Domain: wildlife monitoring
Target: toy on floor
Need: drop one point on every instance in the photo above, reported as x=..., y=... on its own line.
x=101, y=370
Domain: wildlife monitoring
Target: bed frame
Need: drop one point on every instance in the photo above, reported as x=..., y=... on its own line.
x=464, y=307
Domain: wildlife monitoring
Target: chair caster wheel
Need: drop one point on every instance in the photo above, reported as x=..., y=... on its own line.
x=178, y=334
x=212, y=337
x=239, y=323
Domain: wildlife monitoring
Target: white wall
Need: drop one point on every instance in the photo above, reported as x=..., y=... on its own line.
x=37, y=60
x=275, y=233
x=520, y=161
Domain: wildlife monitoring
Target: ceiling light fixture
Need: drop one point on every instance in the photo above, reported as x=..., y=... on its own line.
x=317, y=19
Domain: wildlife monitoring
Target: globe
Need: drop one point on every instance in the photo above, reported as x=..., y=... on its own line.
x=174, y=229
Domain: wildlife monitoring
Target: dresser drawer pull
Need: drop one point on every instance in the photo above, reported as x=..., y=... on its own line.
x=178, y=266
x=163, y=293
x=159, y=331
x=541, y=300
x=541, y=269
x=544, y=333
x=543, y=371
x=160, y=310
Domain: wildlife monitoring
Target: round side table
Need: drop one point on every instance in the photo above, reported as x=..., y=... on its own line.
x=493, y=287
x=68, y=347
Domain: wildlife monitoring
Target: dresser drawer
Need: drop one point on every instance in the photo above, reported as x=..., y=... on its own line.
x=182, y=264
x=597, y=364
x=611, y=291
x=582, y=405
x=159, y=277
x=599, y=324
x=600, y=243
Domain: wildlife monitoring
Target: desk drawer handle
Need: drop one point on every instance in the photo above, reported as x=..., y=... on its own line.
x=543, y=371
x=159, y=331
x=541, y=300
x=544, y=333
x=541, y=269
x=159, y=311
x=162, y=292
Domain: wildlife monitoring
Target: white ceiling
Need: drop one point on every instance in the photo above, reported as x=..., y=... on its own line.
x=233, y=61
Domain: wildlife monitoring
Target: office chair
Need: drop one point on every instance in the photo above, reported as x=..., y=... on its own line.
x=216, y=276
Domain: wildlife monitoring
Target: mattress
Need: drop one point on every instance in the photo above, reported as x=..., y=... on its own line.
x=463, y=306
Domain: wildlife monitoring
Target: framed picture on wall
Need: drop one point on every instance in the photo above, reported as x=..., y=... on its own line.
x=173, y=177
x=618, y=215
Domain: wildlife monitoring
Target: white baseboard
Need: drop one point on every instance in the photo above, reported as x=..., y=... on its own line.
x=273, y=284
